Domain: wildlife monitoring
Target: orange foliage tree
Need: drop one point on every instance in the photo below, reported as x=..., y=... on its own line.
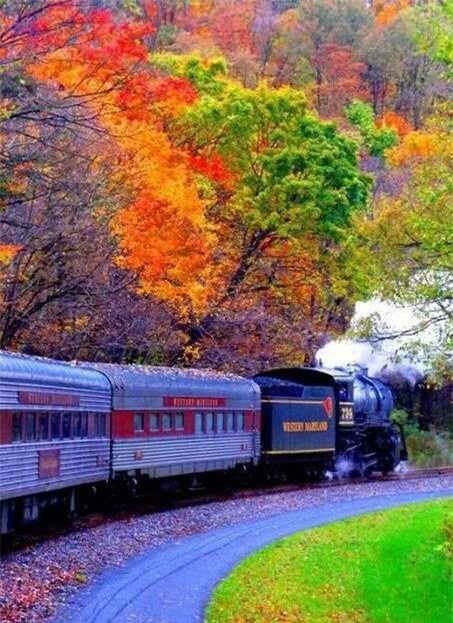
x=92, y=99
x=415, y=145
x=394, y=121
x=166, y=216
x=387, y=11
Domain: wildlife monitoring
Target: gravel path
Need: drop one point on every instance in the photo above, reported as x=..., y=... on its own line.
x=173, y=583
x=35, y=582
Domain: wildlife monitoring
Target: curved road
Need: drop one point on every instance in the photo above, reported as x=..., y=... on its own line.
x=173, y=583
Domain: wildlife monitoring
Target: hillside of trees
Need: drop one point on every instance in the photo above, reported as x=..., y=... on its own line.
x=217, y=182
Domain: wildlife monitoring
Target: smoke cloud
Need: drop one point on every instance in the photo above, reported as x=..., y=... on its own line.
x=382, y=359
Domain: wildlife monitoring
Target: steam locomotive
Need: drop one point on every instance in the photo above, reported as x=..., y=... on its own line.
x=73, y=432
x=328, y=420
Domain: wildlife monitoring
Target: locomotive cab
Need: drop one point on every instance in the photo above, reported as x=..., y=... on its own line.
x=344, y=390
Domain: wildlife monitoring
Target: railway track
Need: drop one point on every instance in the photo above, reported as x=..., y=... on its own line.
x=324, y=484
x=37, y=533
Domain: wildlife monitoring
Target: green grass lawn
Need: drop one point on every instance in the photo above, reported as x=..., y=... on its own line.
x=389, y=567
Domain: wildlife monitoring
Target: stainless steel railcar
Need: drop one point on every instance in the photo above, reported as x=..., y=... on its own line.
x=170, y=422
x=67, y=429
x=54, y=435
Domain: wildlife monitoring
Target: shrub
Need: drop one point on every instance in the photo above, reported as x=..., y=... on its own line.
x=428, y=448
x=425, y=448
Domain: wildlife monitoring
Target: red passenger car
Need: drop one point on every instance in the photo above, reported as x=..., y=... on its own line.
x=169, y=422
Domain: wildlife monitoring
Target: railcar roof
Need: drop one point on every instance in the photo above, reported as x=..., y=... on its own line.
x=304, y=375
x=153, y=380
x=43, y=371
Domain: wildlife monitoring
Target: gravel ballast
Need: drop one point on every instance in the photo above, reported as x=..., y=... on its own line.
x=35, y=581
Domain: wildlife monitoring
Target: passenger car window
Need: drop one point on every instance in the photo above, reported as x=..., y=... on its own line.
x=154, y=421
x=17, y=427
x=239, y=421
x=166, y=421
x=139, y=422
x=219, y=422
x=230, y=421
x=66, y=426
x=55, y=425
x=179, y=421
x=198, y=423
x=77, y=424
x=99, y=424
x=84, y=425
x=209, y=422
x=30, y=426
x=43, y=426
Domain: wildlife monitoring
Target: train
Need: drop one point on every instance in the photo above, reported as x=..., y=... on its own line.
x=72, y=433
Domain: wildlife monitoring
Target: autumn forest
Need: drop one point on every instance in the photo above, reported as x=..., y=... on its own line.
x=218, y=182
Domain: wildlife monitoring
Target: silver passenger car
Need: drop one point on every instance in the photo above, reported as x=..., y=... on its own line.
x=54, y=432
x=168, y=422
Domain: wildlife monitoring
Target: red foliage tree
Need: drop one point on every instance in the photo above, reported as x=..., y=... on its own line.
x=338, y=79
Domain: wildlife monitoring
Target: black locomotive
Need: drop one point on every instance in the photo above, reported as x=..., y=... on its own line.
x=315, y=420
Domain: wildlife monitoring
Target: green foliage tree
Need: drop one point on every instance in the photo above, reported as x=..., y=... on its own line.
x=296, y=172
x=376, y=140
x=296, y=187
x=433, y=32
x=408, y=246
